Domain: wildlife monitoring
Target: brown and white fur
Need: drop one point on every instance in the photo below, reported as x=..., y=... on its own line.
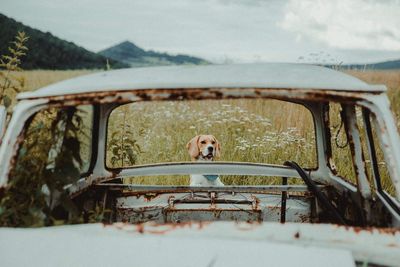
x=203, y=148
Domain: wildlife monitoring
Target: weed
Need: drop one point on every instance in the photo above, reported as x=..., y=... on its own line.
x=122, y=145
x=48, y=159
x=12, y=84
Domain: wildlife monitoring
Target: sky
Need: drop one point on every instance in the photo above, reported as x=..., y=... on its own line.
x=311, y=31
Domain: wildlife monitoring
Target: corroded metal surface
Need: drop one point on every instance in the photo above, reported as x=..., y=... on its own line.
x=210, y=206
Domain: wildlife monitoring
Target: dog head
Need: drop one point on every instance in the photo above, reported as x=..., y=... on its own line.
x=204, y=147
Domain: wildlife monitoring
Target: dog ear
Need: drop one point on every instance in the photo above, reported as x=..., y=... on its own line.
x=217, y=147
x=193, y=147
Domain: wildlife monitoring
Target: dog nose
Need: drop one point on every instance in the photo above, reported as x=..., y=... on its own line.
x=210, y=149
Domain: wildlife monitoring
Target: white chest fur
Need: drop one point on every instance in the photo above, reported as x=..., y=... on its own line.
x=200, y=180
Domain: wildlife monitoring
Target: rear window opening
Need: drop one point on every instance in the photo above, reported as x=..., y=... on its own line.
x=256, y=131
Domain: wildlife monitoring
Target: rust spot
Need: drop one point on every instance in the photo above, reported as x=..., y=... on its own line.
x=149, y=94
x=140, y=228
x=358, y=230
x=149, y=196
x=256, y=203
x=160, y=229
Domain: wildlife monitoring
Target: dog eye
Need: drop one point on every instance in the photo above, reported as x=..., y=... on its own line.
x=213, y=142
x=203, y=142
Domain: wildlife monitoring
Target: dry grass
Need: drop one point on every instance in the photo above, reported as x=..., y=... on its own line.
x=392, y=81
x=36, y=79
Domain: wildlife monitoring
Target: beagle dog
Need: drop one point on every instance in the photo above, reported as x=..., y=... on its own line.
x=204, y=148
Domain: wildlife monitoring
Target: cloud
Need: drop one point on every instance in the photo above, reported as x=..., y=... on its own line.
x=223, y=30
x=352, y=24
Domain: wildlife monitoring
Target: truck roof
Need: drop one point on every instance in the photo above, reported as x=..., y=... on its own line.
x=262, y=75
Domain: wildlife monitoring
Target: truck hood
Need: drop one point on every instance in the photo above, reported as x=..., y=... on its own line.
x=198, y=244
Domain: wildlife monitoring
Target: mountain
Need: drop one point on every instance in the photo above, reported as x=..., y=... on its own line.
x=386, y=65
x=135, y=56
x=46, y=51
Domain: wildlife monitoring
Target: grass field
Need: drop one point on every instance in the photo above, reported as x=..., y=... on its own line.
x=248, y=131
x=36, y=79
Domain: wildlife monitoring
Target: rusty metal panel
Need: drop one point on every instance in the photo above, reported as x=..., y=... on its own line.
x=211, y=206
x=220, y=214
x=286, y=94
x=353, y=135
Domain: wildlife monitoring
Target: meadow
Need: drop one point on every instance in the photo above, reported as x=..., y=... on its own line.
x=268, y=131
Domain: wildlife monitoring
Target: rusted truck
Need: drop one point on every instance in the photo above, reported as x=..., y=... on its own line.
x=331, y=213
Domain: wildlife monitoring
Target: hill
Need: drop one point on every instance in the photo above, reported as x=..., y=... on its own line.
x=386, y=65
x=135, y=56
x=49, y=52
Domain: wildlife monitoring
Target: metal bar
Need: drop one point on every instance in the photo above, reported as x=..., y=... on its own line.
x=214, y=201
x=220, y=168
x=284, y=197
x=353, y=135
x=317, y=192
x=227, y=188
x=319, y=113
x=95, y=139
x=371, y=148
x=100, y=168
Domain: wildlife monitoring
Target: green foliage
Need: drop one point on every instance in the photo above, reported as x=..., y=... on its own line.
x=51, y=52
x=13, y=61
x=122, y=144
x=11, y=84
x=47, y=160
